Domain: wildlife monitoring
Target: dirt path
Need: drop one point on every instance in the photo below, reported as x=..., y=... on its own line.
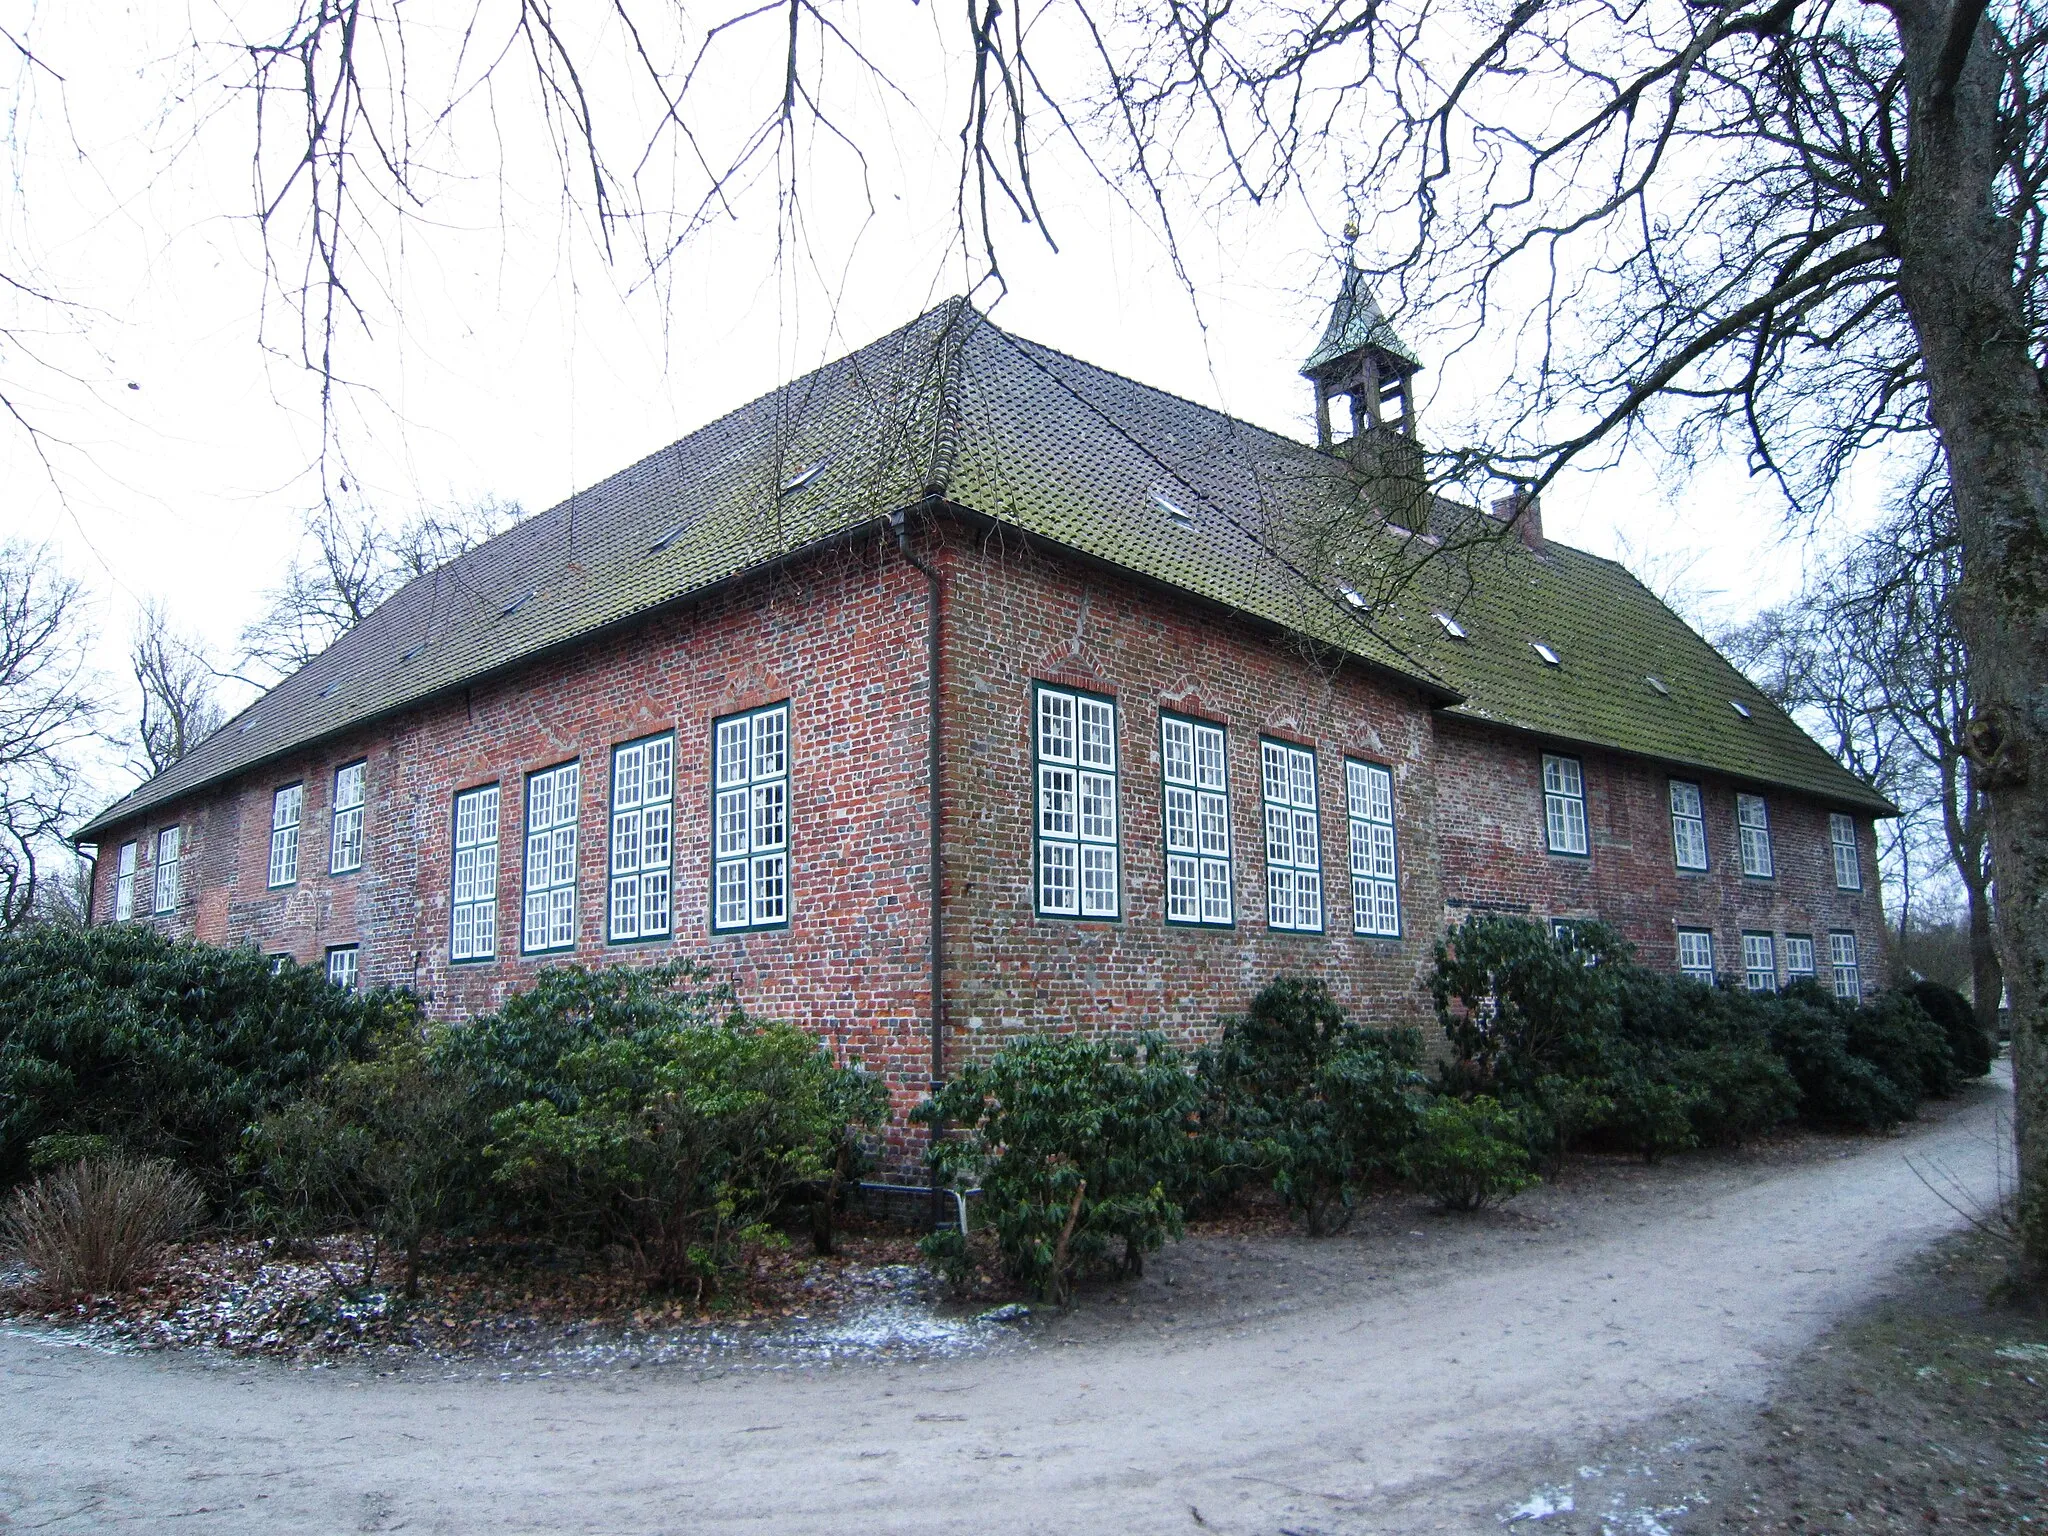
x=1392, y=1399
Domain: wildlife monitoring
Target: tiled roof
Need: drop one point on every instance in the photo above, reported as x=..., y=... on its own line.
x=1079, y=457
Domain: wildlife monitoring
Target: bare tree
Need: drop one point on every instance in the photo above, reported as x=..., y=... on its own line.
x=1894, y=705
x=177, y=708
x=48, y=713
x=354, y=562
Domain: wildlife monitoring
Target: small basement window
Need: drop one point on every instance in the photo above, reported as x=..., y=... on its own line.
x=1549, y=656
x=802, y=478
x=1451, y=626
x=1658, y=684
x=1739, y=707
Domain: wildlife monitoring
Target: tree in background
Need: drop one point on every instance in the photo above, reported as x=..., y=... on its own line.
x=355, y=561
x=177, y=705
x=1872, y=657
x=49, y=711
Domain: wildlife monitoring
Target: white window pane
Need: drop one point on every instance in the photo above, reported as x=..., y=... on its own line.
x=1056, y=726
x=1058, y=883
x=1098, y=733
x=770, y=815
x=626, y=907
x=1056, y=807
x=625, y=842
x=732, y=822
x=1307, y=849
x=730, y=894
x=771, y=744
x=1098, y=807
x=1098, y=881
x=1214, y=816
x=1280, y=897
x=1177, y=751
x=626, y=765
x=1302, y=775
x=1273, y=764
x=1210, y=771
x=1279, y=834
x=654, y=902
x=1216, y=904
x=733, y=749
x=656, y=824
x=1180, y=820
x=1183, y=889
x=1308, y=898
x=659, y=772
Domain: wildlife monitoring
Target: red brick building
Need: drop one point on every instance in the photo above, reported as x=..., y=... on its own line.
x=1206, y=705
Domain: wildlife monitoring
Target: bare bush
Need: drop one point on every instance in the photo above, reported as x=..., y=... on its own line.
x=91, y=1228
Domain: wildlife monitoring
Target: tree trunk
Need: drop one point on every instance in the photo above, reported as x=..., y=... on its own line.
x=1957, y=262
x=1987, y=976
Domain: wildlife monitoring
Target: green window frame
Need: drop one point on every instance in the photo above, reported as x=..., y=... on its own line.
x=1078, y=852
x=473, y=877
x=1294, y=842
x=642, y=902
x=750, y=814
x=1375, y=849
x=1194, y=771
x=548, y=874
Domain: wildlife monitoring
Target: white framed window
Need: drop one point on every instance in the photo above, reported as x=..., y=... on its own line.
x=549, y=920
x=1194, y=765
x=643, y=838
x=1696, y=954
x=1375, y=870
x=1798, y=957
x=1688, y=826
x=286, y=807
x=341, y=966
x=1848, y=974
x=1294, y=847
x=1564, y=805
x=750, y=820
x=1848, y=858
x=1753, y=827
x=345, y=845
x=1074, y=762
x=124, y=883
x=473, y=911
x=168, y=843
x=278, y=962
x=1759, y=962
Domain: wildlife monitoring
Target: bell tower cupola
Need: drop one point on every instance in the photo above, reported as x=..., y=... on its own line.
x=1362, y=361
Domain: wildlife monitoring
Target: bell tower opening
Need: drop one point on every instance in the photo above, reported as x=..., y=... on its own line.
x=1361, y=361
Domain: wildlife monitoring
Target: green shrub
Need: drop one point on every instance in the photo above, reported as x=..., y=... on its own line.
x=1970, y=1048
x=1894, y=1034
x=163, y=1049
x=1081, y=1149
x=1518, y=1003
x=1712, y=1048
x=1298, y=1093
x=1837, y=1088
x=391, y=1147
x=1469, y=1153
x=91, y=1228
x=650, y=1113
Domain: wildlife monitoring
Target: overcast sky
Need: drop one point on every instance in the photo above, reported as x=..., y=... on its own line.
x=505, y=357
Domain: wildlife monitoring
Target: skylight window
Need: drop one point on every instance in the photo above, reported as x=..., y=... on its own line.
x=1353, y=596
x=1739, y=707
x=1173, y=509
x=669, y=538
x=802, y=478
x=1451, y=626
x=409, y=655
x=1399, y=532
x=517, y=603
x=1659, y=684
x=1549, y=656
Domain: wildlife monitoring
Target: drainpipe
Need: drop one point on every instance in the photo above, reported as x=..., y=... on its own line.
x=934, y=807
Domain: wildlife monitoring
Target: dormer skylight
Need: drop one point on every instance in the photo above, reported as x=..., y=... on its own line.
x=1399, y=532
x=1658, y=684
x=668, y=538
x=802, y=478
x=518, y=603
x=1740, y=708
x=1173, y=509
x=409, y=655
x=1549, y=656
x=1451, y=626
x=1353, y=596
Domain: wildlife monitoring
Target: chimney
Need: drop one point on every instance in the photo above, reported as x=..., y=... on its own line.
x=1529, y=524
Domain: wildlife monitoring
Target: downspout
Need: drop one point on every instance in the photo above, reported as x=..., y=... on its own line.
x=935, y=803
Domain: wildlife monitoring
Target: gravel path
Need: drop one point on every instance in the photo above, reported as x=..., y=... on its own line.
x=1388, y=1399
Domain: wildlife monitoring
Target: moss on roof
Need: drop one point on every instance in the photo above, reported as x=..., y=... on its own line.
x=1080, y=457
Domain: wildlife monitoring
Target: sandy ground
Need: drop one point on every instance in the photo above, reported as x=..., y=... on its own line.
x=1433, y=1376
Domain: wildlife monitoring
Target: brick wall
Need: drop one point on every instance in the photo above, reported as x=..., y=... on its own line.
x=1495, y=856
x=1015, y=618
x=841, y=637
